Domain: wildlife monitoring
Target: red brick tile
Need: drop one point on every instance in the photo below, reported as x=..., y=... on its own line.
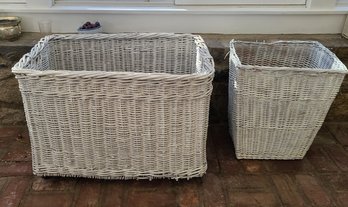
x=213, y=166
x=25, y=133
x=10, y=131
x=287, y=166
x=226, y=152
x=230, y=167
x=2, y=153
x=339, y=156
x=340, y=131
x=113, y=194
x=17, y=148
x=252, y=166
x=288, y=191
x=188, y=195
x=51, y=200
x=224, y=146
x=23, y=138
x=154, y=185
x=89, y=194
x=252, y=199
x=211, y=151
x=3, y=182
x=314, y=191
x=249, y=182
x=339, y=182
x=152, y=193
x=15, y=169
x=22, y=141
x=319, y=159
x=18, y=153
x=6, y=142
x=213, y=195
x=13, y=193
x=53, y=184
x=222, y=143
x=343, y=199
x=138, y=198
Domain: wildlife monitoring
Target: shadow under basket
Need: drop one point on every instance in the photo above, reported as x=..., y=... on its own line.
x=279, y=95
x=117, y=106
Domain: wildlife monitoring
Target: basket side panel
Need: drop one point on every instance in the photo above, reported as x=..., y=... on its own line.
x=97, y=128
x=288, y=85
x=232, y=101
x=286, y=144
x=277, y=115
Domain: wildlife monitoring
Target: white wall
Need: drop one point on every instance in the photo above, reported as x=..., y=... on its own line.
x=192, y=23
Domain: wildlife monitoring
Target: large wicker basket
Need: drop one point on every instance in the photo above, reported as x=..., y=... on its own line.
x=279, y=95
x=117, y=106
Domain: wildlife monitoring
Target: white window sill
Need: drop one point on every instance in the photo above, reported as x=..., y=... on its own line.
x=296, y=19
x=223, y=10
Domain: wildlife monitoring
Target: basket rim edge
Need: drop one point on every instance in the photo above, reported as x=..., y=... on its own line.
x=109, y=74
x=198, y=41
x=342, y=70
x=309, y=70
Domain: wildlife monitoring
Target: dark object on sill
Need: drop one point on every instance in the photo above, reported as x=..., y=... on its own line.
x=10, y=28
x=90, y=28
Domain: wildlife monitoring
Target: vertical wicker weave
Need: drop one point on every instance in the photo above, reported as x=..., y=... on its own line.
x=279, y=95
x=117, y=106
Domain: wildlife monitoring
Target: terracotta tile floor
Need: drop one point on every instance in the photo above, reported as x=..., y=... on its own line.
x=320, y=179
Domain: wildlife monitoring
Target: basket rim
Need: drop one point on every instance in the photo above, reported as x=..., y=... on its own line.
x=203, y=57
x=341, y=68
x=109, y=74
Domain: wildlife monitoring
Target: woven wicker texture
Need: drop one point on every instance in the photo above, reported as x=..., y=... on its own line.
x=117, y=106
x=279, y=95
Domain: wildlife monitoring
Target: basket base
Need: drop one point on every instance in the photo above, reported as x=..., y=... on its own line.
x=268, y=157
x=125, y=176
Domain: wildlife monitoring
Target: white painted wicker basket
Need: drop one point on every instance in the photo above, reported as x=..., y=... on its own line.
x=117, y=106
x=279, y=95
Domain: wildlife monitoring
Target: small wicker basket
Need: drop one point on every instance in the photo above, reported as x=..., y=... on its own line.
x=279, y=95
x=117, y=106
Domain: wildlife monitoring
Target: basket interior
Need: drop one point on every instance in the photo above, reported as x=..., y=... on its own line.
x=150, y=55
x=294, y=55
